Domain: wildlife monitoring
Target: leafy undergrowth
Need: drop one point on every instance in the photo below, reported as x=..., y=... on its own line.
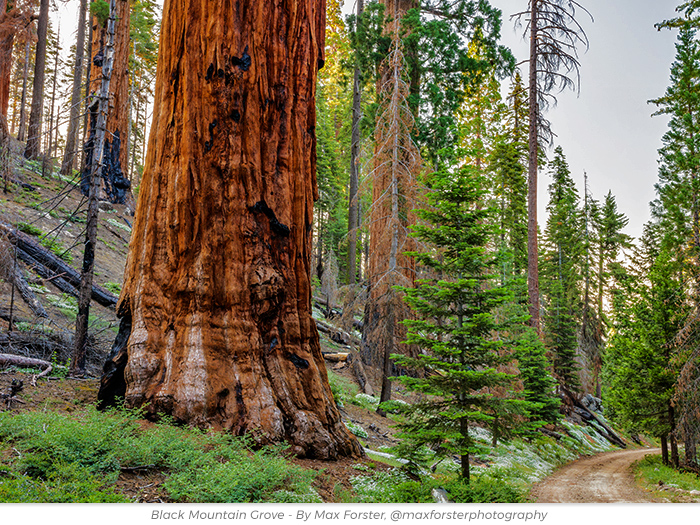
x=52, y=457
x=666, y=482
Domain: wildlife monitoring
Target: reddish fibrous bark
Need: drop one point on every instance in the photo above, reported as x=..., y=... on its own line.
x=216, y=305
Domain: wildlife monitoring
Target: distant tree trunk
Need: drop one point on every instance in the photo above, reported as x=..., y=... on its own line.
x=689, y=438
x=216, y=325
x=50, y=142
x=34, y=132
x=115, y=184
x=4, y=154
x=22, y=131
x=675, y=459
x=73, y=120
x=86, y=97
x=7, y=39
x=533, y=280
x=353, y=200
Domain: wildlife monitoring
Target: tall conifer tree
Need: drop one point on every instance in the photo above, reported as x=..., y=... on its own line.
x=561, y=272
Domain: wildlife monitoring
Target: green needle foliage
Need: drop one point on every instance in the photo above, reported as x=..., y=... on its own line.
x=458, y=368
x=561, y=272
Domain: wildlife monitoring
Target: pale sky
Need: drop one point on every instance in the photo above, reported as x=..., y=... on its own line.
x=607, y=130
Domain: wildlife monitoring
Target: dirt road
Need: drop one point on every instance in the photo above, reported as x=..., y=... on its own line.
x=605, y=478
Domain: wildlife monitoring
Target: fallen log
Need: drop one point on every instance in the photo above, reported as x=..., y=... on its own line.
x=337, y=334
x=550, y=433
x=42, y=271
x=587, y=415
x=5, y=315
x=27, y=362
x=53, y=266
x=26, y=292
x=336, y=358
x=331, y=312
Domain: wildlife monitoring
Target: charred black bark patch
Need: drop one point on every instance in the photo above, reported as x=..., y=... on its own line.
x=244, y=62
x=297, y=361
x=112, y=383
x=277, y=227
x=116, y=185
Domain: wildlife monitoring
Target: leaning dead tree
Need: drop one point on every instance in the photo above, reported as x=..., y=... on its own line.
x=96, y=168
x=554, y=34
x=216, y=325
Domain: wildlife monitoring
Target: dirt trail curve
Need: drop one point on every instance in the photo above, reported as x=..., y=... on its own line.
x=605, y=478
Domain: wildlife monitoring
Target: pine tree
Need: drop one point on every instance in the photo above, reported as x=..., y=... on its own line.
x=607, y=241
x=458, y=368
x=647, y=312
x=678, y=206
x=561, y=272
x=677, y=210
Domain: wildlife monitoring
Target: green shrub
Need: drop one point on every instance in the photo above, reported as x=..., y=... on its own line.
x=250, y=478
x=343, y=389
x=366, y=401
x=115, y=288
x=68, y=484
x=54, y=246
x=652, y=473
x=87, y=451
x=29, y=229
x=483, y=489
x=391, y=486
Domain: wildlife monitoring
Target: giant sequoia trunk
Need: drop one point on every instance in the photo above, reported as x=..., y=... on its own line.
x=115, y=184
x=216, y=325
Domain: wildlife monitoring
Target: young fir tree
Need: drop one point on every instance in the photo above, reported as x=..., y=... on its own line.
x=458, y=367
x=561, y=272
